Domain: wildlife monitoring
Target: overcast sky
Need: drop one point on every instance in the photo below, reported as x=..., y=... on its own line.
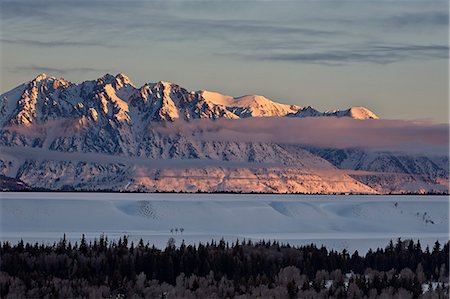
x=391, y=56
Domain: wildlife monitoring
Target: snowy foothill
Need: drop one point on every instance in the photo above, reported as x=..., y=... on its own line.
x=350, y=222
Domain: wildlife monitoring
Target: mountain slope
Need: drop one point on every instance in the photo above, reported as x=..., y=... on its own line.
x=12, y=184
x=391, y=172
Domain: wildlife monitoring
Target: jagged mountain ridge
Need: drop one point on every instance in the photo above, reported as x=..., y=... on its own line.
x=46, y=97
x=112, y=116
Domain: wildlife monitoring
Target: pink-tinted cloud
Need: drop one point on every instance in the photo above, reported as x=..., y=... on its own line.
x=59, y=127
x=42, y=154
x=420, y=137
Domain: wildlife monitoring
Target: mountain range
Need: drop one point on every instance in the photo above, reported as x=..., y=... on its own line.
x=103, y=135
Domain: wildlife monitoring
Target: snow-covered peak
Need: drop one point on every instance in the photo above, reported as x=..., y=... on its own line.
x=122, y=85
x=362, y=113
x=107, y=78
x=121, y=80
x=252, y=100
x=307, y=112
x=358, y=112
x=42, y=77
x=217, y=98
x=164, y=85
x=249, y=105
x=47, y=82
x=256, y=106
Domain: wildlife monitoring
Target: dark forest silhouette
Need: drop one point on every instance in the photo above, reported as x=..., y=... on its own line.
x=265, y=269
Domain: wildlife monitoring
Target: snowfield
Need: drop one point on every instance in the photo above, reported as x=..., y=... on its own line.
x=351, y=222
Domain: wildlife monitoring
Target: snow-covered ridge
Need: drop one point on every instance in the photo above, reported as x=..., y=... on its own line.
x=353, y=112
x=249, y=105
x=119, y=100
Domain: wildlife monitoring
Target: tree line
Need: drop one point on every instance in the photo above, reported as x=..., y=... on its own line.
x=103, y=268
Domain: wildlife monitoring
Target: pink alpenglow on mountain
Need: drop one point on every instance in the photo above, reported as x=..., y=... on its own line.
x=108, y=134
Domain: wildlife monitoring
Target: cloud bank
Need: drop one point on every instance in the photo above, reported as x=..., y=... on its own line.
x=414, y=137
x=379, y=54
x=42, y=154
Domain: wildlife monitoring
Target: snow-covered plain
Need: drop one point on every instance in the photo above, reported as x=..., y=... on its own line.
x=351, y=222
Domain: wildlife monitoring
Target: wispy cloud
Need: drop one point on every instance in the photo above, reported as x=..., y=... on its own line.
x=305, y=40
x=148, y=23
x=55, y=43
x=148, y=163
x=379, y=54
x=431, y=18
x=56, y=70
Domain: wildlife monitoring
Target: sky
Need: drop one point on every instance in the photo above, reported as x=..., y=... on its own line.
x=390, y=56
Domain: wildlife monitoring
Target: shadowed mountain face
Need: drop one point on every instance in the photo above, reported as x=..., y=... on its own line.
x=106, y=134
x=11, y=184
